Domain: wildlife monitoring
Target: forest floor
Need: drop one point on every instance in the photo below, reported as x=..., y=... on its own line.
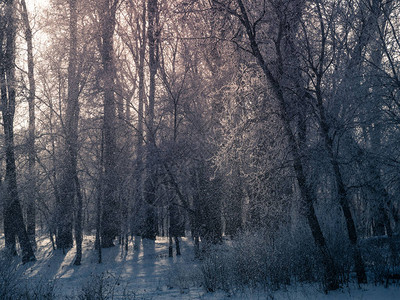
x=148, y=273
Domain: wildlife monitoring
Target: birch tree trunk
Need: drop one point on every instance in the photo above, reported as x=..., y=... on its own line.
x=150, y=223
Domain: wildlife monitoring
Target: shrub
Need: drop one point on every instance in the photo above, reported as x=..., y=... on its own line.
x=100, y=287
x=260, y=259
x=379, y=261
x=13, y=286
x=9, y=276
x=38, y=291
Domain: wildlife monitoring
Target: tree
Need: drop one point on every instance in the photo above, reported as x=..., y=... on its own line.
x=31, y=207
x=319, y=65
x=133, y=33
x=13, y=219
x=277, y=84
x=150, y=229
x=71, y=122
x=69, y=169
x=110, y=223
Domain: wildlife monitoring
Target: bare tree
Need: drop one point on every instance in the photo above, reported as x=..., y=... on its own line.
x=320, y=65
x=276, y=84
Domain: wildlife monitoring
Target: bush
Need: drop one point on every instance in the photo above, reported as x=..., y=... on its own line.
x=259, y=259
x=38, y=291
x=9, y=276
x=216, y=269
x=379, y=261
x=182, y=277
x=100, y=287
x=13, y=286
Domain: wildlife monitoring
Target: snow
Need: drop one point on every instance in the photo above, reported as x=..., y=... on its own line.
x=145, y=272
x=148, y=273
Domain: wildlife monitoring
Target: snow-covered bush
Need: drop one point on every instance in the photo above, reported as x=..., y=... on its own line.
x=13, y=285
x=260, y=259
x=37, y=291
x=100, y=287
x=378, y=259
x=182, y=277
x=216, y=269
x=275, y=259
x=9, y=277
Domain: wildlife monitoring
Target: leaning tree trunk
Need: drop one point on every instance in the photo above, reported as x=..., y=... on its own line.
x=356, y=59
x=331, y=279
x=13, y=218
x=344, y=200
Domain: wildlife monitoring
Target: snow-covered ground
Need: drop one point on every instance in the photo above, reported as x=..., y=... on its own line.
x=147, y=272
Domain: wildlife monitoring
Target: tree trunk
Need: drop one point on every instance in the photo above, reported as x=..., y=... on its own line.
x=99, y=202
x=78, y=222
x=170, y=247
x=13, y=218
x=110, y=222
x=68, y=186
x=384, y=204
x=177, y=246
x=384, y=201
x=150, y=224
x=72, y=124
x=31, y=207
x=331, y=279
x=344, y=200
x=139, y=201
